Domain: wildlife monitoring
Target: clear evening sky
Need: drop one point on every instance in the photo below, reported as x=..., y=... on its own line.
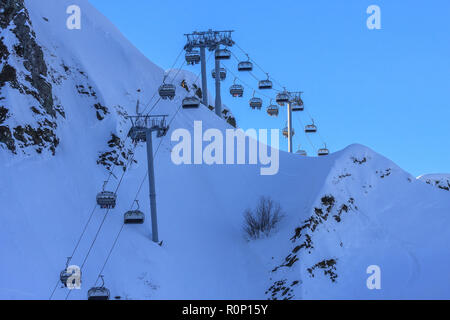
x=387, y=89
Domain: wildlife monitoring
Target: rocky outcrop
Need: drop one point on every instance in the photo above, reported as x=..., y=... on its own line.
x=303, y=243
x=23, y=68
x=441, y=182
x=117, y=155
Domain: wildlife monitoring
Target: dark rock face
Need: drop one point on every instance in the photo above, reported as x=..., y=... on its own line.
x=3, y=114
x=118, y=155
x=443, y=184
x=8, y=74
x=86, y=88
x=328, y=267
x=33, y=61
x=303, y=243
x=27, y=53
x=6, y=138
x=102, y=111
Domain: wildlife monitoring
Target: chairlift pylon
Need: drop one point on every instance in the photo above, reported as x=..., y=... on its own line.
x=222, y=74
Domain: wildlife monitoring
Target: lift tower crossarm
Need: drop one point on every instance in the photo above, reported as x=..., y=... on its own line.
x=211, y=40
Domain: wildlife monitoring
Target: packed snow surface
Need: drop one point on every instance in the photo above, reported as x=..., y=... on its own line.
x=342, y=213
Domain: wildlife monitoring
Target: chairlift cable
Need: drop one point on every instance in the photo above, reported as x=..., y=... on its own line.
x=178, y=71
x=275, y=80
x=246, y=84
x=102, y=223
x=318, y=131
x=252, y=74
x=159, y=99
x=111, y=174
x=135, y=198
x=156, y=103
x=307, y=137
x=260, y=68
x=78, y=243
x=176, y=60
x=165, y=76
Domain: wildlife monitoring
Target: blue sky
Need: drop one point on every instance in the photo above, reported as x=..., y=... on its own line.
x=387, y=89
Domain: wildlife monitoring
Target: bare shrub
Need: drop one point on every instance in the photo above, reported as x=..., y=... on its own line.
x=263, y=219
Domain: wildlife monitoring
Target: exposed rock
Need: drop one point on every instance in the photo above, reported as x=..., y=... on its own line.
x=42, y=137
x=328, y=267
x=303, y=240
x=102, y=111
x=6, y=138
x=117, y=155
x=28, y=54
x=442, y=183
x=385, y=173
x=33, y=56
x=4, y=54
x=3, y=114
x=8, y=74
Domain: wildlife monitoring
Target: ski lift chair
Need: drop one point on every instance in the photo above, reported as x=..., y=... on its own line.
x=106, y=199
x=99, y=293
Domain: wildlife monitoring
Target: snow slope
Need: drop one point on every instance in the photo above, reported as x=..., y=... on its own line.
x=439, y=180
x=390, y=219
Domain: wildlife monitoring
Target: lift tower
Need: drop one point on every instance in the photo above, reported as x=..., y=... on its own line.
x=295, y=98
x=289, y=118
x=211, y=40
x=142, y=130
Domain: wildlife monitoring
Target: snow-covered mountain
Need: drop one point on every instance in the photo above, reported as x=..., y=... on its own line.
x=441, y=181
x=64, y=95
